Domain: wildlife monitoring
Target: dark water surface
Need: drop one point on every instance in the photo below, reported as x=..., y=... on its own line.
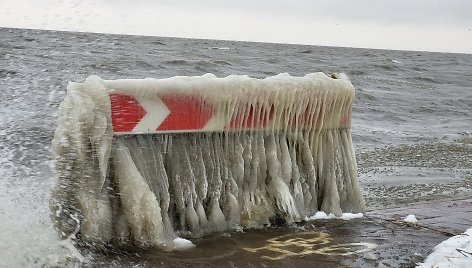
x=329, y=244
x=412, y=125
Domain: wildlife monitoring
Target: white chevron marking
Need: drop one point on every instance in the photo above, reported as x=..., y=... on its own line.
x=156, y=112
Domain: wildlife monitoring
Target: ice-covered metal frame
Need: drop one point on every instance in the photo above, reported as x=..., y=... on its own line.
x=229, y=152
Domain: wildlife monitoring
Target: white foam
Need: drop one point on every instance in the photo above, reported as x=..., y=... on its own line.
x=27, y=236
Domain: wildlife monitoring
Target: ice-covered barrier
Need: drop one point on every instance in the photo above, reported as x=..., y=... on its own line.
x=141, y=162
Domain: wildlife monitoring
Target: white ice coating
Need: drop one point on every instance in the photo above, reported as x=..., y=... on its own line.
x=148, y=189
x=453, y=252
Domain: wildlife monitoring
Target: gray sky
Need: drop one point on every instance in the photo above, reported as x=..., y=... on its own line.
x=431, y=25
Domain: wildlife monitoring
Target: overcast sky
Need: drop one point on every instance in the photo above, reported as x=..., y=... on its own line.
x=431, y=25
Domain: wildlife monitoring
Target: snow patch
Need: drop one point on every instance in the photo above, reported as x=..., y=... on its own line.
x=454, y=252
x=321, y=215
x=182, y=244
x=410, y=219
x=350, y=216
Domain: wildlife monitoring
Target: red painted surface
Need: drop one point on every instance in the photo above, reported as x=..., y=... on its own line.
x=126, y=112
x=344, y=122
x=192, y=113
x=303, y=120
x=252, y=120
x=186, y=113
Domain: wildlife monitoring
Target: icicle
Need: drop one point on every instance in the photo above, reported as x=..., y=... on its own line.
x=330, y=201
x=297, y=190
x=216, y=217
x=286, y=162
x=201, y=180
x=276, y=186
x=249, y=183
x=352, y=200
x=162, y=183
x=140, y=205
x=178, y=189
x=188, y=181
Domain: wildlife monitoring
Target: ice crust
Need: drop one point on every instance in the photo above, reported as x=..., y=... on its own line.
x=454, y=252
x=148, y=189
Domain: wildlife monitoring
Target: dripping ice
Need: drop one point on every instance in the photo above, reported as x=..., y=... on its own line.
x=150, y=189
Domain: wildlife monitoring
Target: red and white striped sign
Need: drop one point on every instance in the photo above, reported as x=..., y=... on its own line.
x=159, y=114
x=187, y=113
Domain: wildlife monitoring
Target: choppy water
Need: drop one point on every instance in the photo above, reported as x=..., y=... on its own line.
x=418, y=99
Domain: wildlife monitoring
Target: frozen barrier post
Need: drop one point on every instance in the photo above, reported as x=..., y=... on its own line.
x=141, y=162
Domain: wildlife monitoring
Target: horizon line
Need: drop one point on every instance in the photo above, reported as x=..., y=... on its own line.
x=236, y=40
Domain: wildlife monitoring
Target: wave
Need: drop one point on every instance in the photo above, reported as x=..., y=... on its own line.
x=158, y=43
x=144, y=64
x=8, y=46
x=175, y=62
x=424, y=79
x=357, y=72
x=273, y=60
x=222, y=62
x=385, y=66
x=219, y=48
x=109, y=66
x=418, y=69
x=362, y=95
x=6, y=73
x=200, y=65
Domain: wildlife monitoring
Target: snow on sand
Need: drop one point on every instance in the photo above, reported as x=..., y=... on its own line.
x=454, y=252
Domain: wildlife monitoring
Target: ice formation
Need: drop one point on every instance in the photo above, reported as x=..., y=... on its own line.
x=288, y=156
x=453, y=252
